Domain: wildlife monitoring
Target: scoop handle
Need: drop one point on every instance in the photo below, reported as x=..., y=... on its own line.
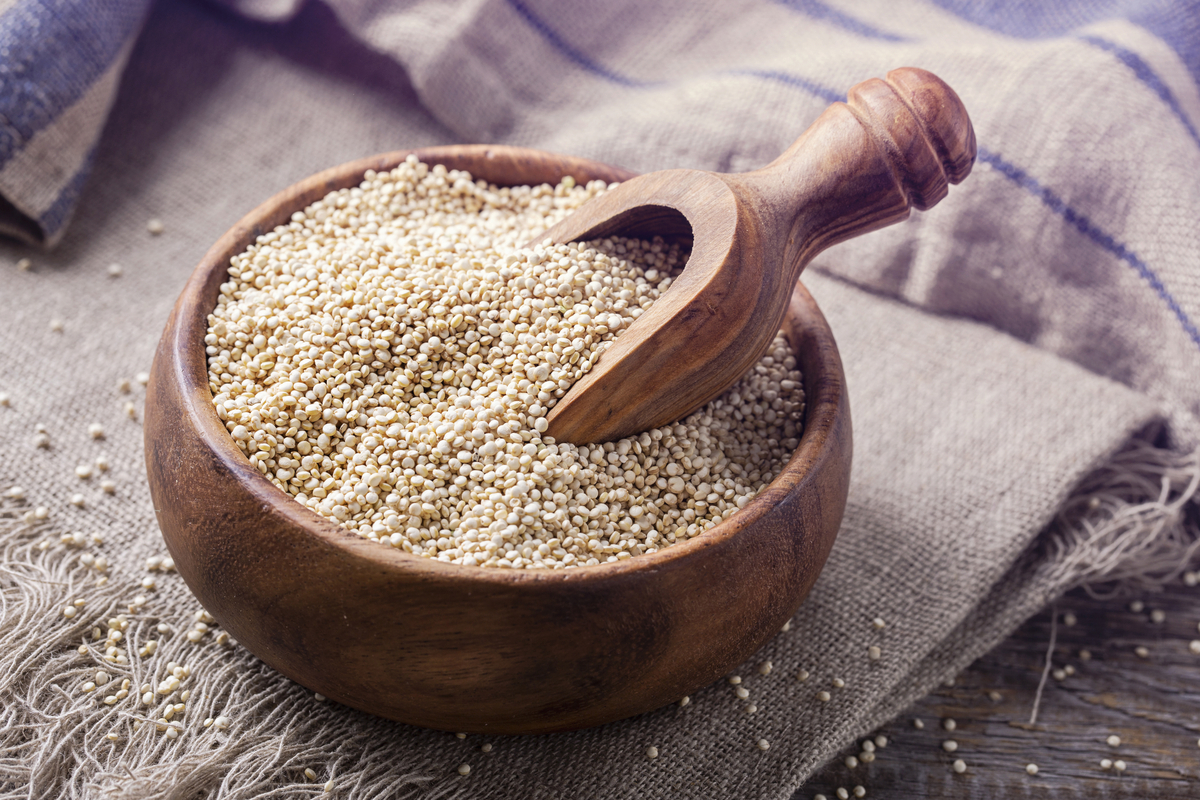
x=894, y=145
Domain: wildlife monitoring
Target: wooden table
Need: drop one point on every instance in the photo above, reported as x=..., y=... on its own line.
x=1151, y=701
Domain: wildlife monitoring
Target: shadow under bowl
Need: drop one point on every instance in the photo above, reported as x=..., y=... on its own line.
x=466, y=648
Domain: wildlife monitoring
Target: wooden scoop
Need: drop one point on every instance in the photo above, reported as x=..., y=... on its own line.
x=862, y=165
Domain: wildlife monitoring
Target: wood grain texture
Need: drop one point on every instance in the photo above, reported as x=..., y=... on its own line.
x=1152, y=703
x=864, y=164
x=463, y=648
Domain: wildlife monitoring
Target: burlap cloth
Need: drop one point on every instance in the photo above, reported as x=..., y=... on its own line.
x=1022, y=363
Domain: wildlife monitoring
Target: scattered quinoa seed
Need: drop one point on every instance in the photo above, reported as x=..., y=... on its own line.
x=879, y=623
x=802, y=675
x=486, y=747
x=874, y=653
x=763, y=744
x=919, y=724
x=155, y=226
x=652, y=752
x=960, y=766
x=823, y=696
x=949, y=745
x=764, y=668
x=949, y=724
x=881, y=741
x=1032, y=769
x=1142, y=651
x=24, y=264
x=143, y=378
x=842, y=793
x=464, y=769
x=1137, y=606
x=1119, y=765
x=851, y=762
x=1069, y=619
x=56, y=325
x=735, y=680
x=1158, y=616
x=860, y=791
x=1113, y=741
x=1106, y=763
x=310, y=774
x=114, y=270
x=1194, y=647
x=685, y=700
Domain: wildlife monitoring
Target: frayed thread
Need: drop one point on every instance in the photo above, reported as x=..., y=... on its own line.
x=1133, y=525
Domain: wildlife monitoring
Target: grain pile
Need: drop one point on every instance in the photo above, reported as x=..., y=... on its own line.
x=389, y=357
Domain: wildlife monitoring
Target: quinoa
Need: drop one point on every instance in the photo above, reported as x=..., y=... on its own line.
x=388, y=359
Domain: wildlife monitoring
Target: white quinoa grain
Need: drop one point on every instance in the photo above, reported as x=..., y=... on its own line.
x=1194, y=647
x=310, y=773
x=1113, y=741
x=155, y=226
x=763, y=744
x=860, y=791
x=1032, y=769
x=949, y=745
x=388, y=359
x=114, y=270
x=24, y=264
x=960, y=766
x=651, y=752
x=823, y=696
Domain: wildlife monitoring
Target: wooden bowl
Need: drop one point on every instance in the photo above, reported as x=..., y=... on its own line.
x=466, y=648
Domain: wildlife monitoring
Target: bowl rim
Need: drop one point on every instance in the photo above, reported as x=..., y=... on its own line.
x=187, y=363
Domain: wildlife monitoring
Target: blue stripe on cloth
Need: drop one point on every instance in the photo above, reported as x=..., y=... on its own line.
x=1176, y=22
x=794, y=81
x=1147, y=76
x=56, y=216
x=1009, y=170
x=573, y=54
x=1091, y=231
x=818, y=10
x=51, y=52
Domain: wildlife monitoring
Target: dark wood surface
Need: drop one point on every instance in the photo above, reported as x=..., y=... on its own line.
x=893, y=146
x=487, y=650
x=1152, y=704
